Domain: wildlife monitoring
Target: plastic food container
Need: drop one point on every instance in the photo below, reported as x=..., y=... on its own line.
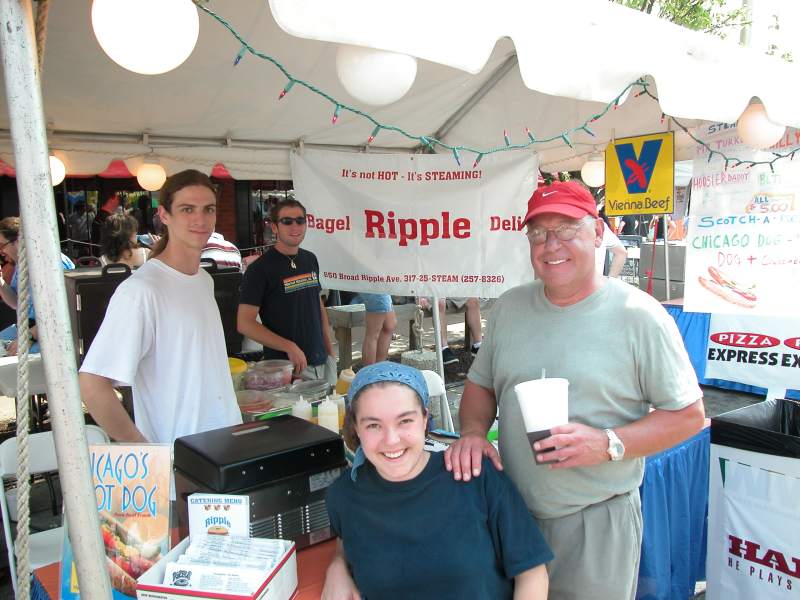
x=238, y=368
x=315, y=389
x=268, y=375
x=253, y=403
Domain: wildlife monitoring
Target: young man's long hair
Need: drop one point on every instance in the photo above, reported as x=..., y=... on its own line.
x=172, y=186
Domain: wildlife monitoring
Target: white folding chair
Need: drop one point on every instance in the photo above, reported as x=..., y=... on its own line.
x=44, y=546
x=437, y=393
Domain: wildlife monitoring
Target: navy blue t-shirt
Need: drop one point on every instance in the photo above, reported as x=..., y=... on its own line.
x=288, y=301
x=432, y=536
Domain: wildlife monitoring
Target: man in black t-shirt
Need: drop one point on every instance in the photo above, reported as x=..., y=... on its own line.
x=282, y=287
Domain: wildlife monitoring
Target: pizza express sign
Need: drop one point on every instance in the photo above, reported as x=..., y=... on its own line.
x=759, y=351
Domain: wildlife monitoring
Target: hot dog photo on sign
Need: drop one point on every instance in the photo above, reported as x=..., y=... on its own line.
x=727, y=289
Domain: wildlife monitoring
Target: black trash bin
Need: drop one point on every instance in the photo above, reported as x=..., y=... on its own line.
x=754, y=503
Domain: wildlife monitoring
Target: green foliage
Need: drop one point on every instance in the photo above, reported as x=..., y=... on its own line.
x=708, y=16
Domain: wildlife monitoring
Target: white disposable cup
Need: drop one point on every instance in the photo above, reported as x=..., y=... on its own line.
x=544, y=403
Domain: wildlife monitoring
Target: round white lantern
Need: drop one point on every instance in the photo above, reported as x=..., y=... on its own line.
x=151, y=176
x=756, y=130
x=170, y=32
x=593, y=172
x=57, y=170
x=375, y=77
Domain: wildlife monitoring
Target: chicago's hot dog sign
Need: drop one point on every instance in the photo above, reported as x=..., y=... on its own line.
x=743, y=241
x=416, y=224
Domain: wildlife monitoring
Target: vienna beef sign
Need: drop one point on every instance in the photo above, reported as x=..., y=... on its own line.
x=416, y=224
x=640, y=175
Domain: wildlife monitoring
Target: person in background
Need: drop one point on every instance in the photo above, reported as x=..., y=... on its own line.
x=610, y=243
x=632, y=392
x=380, y=325
x=119, y=243
x=629, y=225
x=162, y=333
x=472, y=317
x=109, y=207
x=282, y=288
x=406, y=529
x=9, y=248
x=79, y=225
x=225, y=254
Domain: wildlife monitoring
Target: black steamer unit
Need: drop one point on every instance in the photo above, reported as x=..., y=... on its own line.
x=284, y=464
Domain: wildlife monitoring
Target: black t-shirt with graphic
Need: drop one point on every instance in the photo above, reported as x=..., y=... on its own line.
x=288, y=301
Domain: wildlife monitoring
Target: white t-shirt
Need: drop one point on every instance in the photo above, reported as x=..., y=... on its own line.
x=609, y=241
x=163, y=336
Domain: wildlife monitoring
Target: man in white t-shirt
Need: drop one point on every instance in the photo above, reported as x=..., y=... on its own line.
x=162, y=333
x=618, y=253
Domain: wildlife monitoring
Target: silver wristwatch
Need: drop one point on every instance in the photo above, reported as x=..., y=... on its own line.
x=616, y=449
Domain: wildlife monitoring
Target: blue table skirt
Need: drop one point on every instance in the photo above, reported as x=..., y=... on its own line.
x=674, y=509
x=694, y=330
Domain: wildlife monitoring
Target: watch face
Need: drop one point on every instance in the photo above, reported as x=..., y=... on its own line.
x=615, y=449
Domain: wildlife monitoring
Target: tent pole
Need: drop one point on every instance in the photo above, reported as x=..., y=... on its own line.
x=37, y=209
x=665, y=230
x=487, y=87
x=437, y=316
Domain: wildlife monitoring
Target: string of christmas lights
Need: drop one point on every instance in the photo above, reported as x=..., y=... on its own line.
x=737, y=162
x=432, y=143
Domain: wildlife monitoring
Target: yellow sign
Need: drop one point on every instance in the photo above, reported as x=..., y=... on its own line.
x=640, y=175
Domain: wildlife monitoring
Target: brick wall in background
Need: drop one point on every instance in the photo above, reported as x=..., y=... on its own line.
x=226, y=209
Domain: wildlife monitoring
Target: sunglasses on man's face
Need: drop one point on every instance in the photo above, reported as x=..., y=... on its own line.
x=290, y=220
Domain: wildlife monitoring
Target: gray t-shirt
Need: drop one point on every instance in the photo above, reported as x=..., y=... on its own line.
x=621, y=352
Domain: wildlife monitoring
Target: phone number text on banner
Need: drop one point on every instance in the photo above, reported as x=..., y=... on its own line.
x=416, y=224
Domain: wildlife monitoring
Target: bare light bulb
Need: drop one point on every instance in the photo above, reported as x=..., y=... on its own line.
x=57, y=170
x=756, y=130
x=151, y=176
x=375, y=77
x=593, y=172
x=172, y=28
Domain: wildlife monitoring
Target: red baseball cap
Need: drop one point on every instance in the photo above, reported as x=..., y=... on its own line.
x=568, y=198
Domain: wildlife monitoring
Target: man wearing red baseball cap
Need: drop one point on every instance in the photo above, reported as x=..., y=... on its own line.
x=622, y=355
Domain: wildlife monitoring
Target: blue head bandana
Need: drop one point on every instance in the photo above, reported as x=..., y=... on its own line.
x=385, y=371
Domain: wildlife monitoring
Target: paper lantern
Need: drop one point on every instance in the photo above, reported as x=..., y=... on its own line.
x=756, y=130
x=151, y=176
x=593, y=172
x=146, y=36
x=57, y=170
x=375, y=77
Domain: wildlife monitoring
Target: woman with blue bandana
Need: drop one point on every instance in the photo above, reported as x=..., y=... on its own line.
x=406, y=528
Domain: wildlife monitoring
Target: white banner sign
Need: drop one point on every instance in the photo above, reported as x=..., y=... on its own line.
x=417, y=225
x=743, y=242
x=752, y=526
x=760, y=351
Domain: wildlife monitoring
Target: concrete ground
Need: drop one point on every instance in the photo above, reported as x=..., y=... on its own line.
x=717, y=401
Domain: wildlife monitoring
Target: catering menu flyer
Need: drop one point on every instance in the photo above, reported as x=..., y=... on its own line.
x=131, y=485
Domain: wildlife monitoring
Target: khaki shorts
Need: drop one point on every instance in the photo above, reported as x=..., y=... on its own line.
x=326, y=371
x=596, y=550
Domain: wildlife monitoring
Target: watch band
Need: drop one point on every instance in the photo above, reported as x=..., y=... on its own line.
x=616, y=449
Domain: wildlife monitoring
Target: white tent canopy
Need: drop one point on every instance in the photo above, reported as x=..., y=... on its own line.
x=568, y=58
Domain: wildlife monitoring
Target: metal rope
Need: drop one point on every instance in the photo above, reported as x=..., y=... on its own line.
x=40, y=29
x=21, y=544
x=23, y=418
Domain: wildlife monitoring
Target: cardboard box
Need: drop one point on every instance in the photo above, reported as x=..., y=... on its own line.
x=280, y=584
